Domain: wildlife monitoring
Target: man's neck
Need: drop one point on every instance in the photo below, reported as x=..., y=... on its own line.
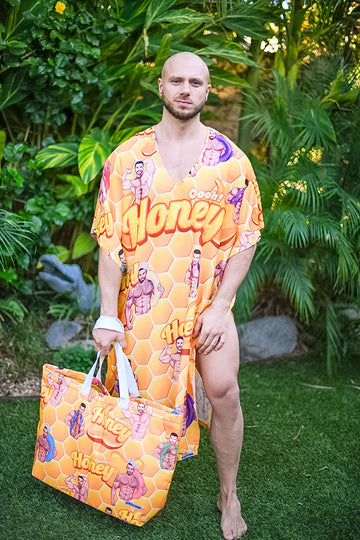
x=172, y=129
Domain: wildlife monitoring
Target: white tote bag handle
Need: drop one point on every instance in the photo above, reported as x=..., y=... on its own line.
x=127, y=383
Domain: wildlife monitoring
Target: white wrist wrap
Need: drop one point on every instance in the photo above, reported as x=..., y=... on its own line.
x=109, y=323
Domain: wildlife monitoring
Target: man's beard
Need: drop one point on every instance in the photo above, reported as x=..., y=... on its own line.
x=182, y=115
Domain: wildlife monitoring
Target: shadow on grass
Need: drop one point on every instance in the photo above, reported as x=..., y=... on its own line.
x=298, y=479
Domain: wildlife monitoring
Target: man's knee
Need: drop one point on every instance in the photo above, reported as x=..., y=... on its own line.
x=225, y=395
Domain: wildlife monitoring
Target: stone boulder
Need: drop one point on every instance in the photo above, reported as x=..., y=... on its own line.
x=267, y=337
x=61, y=332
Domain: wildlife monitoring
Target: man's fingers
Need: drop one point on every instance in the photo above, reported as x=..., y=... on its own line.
x=104, y=339
x=210, y=343
x=120, y=338
x=105, y=350
x=220, y=344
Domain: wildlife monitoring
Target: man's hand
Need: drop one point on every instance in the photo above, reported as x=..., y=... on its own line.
x=105, y=338
x=210, y=329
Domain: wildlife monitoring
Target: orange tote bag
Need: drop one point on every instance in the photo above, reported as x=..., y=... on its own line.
x=115, y=454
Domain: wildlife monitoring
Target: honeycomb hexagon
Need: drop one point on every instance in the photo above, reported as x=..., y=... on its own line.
x=142, y=352
x=160, y=386
x=161, y=259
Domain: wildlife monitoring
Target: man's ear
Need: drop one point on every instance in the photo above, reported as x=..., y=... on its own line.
x=208, y=91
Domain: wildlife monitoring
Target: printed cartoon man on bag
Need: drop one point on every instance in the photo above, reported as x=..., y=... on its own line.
x=166, y=452
x=130, y=484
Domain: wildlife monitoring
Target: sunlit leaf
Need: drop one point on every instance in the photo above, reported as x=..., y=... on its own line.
x=10, y=91
x=94, y=149
x=220, y=77
x=163, y=51
x=124, y=134
x=230, y=51
x=251, y=22
x=84, y=244
x=77, y=183
x=184, y=16
x=156, y=10
x=58, y=155
x=62, y=253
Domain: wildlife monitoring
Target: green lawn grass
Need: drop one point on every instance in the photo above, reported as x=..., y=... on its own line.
x=299, y=475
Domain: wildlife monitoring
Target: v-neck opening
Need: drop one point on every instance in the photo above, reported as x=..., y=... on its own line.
x=194, y=164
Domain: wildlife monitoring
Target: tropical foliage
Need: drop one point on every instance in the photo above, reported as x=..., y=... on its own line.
x=80, y=77
x=305, y=163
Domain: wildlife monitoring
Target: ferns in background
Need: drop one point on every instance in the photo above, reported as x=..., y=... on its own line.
x=310, y=245
x=15, y=236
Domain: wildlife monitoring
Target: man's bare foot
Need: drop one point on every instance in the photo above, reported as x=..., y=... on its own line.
x=232, y=524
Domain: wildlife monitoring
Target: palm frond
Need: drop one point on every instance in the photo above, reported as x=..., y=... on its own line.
x=308, y=183
x=333, y=342
x=14, y=234
x=350, y=212
x=247, y=291
x=13, y=309
x=314, y=125
x=292, y=225
x=324, y=229
x=348, y=271
x=292, y=276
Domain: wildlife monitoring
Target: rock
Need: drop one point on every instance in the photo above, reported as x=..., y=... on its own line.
x=266, y=338
x=61, y=332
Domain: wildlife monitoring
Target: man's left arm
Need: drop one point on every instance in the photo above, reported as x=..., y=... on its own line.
x=210, y=328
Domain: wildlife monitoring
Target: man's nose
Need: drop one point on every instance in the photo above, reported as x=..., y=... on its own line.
x=185, y=87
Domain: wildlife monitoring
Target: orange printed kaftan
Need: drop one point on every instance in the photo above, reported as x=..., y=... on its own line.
x=172, y=241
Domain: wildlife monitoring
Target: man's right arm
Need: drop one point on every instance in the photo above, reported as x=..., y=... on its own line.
x=110, y=277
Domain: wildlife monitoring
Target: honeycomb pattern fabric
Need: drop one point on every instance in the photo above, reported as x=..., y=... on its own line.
x=172, y=241
x=120, y=461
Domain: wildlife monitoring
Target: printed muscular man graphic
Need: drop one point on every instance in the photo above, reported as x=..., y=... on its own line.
x=166, y=452
x=141, y=183
x=235, y=197
x=45, y=448
x=75, y=421
x=60, y=386
x=213, y=149
x=166, y=357
x=139, y=421
x=140, y=295
x=105, y=182
x=130, y=484
x=123, y=260
x=193, y=274
x=81, y=489
x=219, y=272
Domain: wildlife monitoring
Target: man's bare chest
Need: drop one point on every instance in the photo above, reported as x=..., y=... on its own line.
x=180, y=159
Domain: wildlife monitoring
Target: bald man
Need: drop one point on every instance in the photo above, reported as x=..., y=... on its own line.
x=187, y=210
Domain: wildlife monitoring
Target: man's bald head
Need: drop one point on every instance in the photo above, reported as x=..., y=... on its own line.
x=186, y=57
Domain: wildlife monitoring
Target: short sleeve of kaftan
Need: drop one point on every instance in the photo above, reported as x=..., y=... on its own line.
x=250, y=218
x=107, y=222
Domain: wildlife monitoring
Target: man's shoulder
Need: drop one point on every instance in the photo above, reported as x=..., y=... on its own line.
x=142, y=137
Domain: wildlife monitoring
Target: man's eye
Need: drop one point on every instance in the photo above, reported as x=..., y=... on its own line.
x=196, y=83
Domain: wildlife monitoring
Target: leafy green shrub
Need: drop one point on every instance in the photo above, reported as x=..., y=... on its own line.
x=76, y=358
x=23, y=348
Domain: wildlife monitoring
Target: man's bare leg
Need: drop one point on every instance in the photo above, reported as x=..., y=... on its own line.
x=219, y=370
